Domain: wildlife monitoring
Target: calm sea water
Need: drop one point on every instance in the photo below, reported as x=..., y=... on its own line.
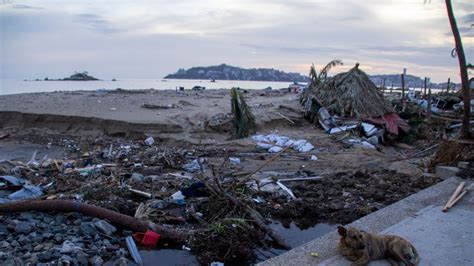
x=13, y=86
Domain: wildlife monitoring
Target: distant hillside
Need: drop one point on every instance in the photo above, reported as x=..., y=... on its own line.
x=226, y=72
x=410, y=81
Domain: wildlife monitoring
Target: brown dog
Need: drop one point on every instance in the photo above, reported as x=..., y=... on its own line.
x=361, y=247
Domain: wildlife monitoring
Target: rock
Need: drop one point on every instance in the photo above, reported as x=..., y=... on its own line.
x=4, y=245
x=45, y=256
x=69, y=247
x=3, y=230
x=104, y=227
x=373, y=140
x=82, y=258
x=25, y=216
x=405, y=168
x=96, y=261
x=445, y=172
x=58, y=237
x=13, y=261
x=38, y=247
x=23, y=239
x=336, y=206
x=33, y=260
x=23, y=228
x=47, y=235
x=14, y=243
x=158, y=204
x=88, y=229
x=47, y=219
x=60, y=220
x=66, y=260
x=136, y=177
x=463, y=165
x=122, y=261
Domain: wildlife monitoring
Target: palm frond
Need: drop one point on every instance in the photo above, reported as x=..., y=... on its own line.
x=244, y=121
x=323, y=74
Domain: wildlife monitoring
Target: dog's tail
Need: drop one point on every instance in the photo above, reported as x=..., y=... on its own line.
x=415, y=259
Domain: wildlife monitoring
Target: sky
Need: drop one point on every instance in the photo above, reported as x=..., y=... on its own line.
x=150, y=39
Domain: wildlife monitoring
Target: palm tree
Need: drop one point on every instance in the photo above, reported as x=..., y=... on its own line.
x=465, y=129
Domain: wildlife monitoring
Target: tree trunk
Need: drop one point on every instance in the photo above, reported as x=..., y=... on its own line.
x=403, y=88
x=465, y=129
x=449, y=84
x=424, y=91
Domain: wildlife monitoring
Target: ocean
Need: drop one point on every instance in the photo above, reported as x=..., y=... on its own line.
x=14, y=86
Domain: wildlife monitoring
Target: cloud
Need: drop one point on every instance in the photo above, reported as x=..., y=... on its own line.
x=96, y=23
x=469, y=18
x=153, y=38
x=17, y=6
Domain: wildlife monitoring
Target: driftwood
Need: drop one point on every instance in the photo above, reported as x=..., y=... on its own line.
x=457, y=195
x=137, y=225
x=454, y=196
x=259, y=221
x=216, y=189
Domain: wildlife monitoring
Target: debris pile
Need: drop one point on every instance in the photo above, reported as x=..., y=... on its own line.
x=274, y=143
x=339, y=103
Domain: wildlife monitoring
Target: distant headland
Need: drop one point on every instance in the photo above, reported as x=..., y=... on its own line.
x=227, y=72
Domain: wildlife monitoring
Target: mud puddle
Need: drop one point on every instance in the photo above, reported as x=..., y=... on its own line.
x=294, y=236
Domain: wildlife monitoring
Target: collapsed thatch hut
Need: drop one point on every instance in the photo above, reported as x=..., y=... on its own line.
x=347, y=94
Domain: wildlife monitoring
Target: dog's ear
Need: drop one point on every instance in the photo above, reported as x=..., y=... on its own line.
x=342, y=230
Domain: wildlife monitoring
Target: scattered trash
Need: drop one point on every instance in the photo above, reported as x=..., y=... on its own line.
x=194, y=165
x=194, y=190
x=27, y=192
x=361, y=143
x=132, y=248
x=259, y=200
x=113, y=109
x=4, y=135
x=287, y=190
x=234, y=160
x=314, y=158
x=275, y=149
x=149, y=141
x=22, y=189
x=155, y=106
x=186, y=248
x=141, y=193
x=147, y=239
x=178, y=196
x=369, y=129
x=274, y=143
x=314, y=254
x=263, y=145
x=217, y=263
x=32, y=162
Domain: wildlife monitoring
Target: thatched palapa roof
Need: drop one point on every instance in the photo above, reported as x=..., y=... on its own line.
x=348, y=94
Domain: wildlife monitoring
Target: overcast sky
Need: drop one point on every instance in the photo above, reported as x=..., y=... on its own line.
x=149, y=39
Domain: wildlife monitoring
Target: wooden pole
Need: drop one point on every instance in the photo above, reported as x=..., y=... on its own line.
x=424, y=93
x=403, y=87
x=449, y=84
x=428, y=111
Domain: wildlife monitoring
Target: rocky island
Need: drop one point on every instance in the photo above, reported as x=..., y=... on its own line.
x=227, y=72
x=77, y=76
